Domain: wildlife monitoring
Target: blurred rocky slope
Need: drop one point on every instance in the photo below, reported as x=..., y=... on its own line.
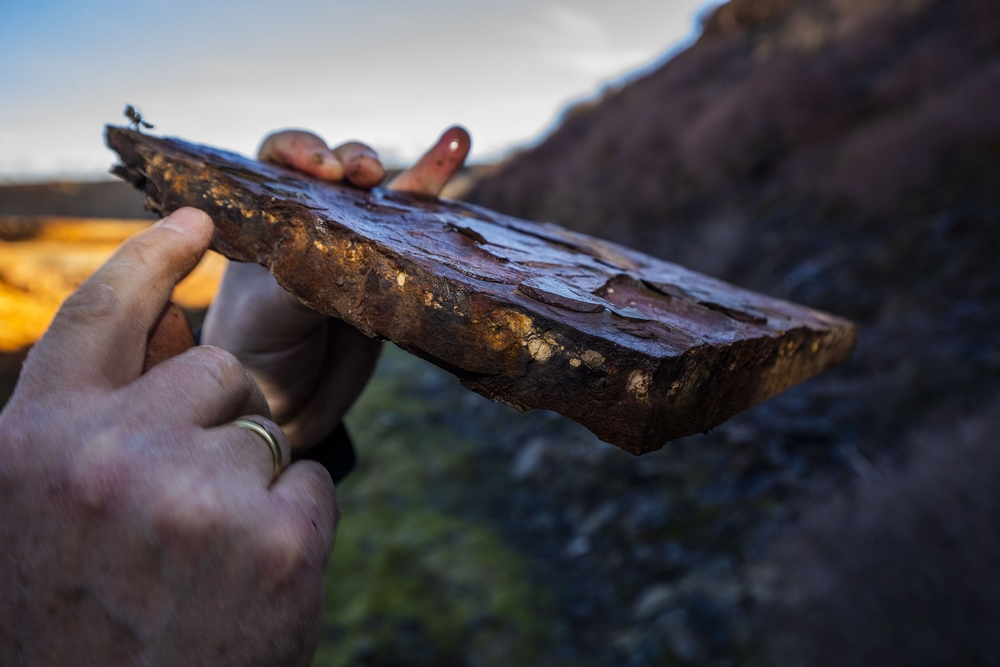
x=840, y=153
x=844, y=154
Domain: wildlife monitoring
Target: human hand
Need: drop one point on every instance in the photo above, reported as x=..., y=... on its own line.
x=138, y=525
x=312, y=367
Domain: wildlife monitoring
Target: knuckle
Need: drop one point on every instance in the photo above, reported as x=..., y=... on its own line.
x=283, y=556
x=315, y=507
x=140, y=251
x=139, y=258
x=189, y=509
x=153, y=254
x=221, y=366
x=99, y=475
x=323, y=492
x=268, y=152
x=94, y=301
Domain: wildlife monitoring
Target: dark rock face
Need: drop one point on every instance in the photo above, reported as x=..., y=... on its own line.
x=857, y=104
x=844, y=154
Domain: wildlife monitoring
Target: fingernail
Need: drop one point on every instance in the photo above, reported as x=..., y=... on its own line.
x=184, y=220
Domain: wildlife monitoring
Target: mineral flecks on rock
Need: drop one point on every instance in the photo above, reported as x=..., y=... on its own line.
x=638, y=350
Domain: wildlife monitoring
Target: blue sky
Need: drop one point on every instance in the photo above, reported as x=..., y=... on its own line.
x=388, y=72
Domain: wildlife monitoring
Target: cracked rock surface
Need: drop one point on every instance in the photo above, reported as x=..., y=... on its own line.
x=638, y=350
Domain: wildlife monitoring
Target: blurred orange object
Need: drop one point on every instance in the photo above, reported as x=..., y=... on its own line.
x=44, y=259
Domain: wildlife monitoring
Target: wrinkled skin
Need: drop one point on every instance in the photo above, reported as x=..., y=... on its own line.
x=138, y=525
x=312, y=367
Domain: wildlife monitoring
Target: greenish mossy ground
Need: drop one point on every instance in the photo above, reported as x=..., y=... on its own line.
x=414, y=577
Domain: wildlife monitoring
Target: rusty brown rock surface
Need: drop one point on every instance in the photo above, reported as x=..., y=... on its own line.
x=638, y=350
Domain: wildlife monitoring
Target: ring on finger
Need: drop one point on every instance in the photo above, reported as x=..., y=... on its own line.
x=272, y=442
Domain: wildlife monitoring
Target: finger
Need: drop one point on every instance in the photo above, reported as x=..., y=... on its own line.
x=303, y=151
x=98, y=338
x=349, y=362
x=432, y=171
x=205, y=386
x=249, y=451
x=361, y=164
x=270, y=331
x=171, y=335
x=307, y=495
x=249, y=295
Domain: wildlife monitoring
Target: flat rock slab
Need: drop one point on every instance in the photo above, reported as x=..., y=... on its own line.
x=638, y=350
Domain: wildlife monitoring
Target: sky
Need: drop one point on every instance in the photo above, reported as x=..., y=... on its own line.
x=392, y=73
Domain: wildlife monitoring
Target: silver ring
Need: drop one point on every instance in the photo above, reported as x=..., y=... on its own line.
x=272, y=442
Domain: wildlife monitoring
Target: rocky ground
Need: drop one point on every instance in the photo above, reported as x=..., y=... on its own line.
x=476, y=535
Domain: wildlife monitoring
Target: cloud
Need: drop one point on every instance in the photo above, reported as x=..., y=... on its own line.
x=560, y=24
x=573, y=39
x=391, y=72
x=599, y=64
